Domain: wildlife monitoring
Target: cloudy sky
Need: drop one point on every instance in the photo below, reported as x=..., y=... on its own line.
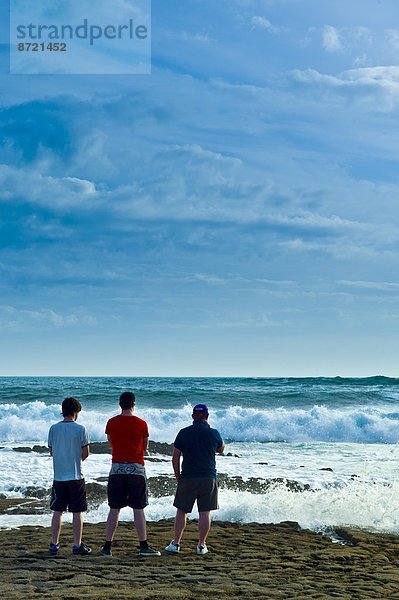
x=233, y=213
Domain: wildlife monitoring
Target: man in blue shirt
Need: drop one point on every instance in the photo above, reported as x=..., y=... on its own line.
x=196, y=481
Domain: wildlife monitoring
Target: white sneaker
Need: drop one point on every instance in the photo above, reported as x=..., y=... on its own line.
x=202, y=549
x=172, y=547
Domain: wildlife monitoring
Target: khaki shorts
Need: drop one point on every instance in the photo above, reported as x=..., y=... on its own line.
x=204, y=490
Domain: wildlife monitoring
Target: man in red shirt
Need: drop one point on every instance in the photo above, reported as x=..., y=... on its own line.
x=127, y=482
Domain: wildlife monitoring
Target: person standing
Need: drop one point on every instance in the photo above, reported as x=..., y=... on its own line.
x=69, y=446
x=127, y=482
x=197, y=444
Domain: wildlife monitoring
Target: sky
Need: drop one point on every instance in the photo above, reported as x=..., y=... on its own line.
x=233, y=213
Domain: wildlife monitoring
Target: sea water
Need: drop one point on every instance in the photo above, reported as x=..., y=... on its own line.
x=327, y=447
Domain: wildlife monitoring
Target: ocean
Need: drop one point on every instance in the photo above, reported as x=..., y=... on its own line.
x=319, y=451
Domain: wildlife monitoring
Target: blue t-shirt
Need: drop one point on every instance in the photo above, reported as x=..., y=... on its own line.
x=198, y=444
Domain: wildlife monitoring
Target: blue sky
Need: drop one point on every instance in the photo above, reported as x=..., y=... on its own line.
x=233, y=213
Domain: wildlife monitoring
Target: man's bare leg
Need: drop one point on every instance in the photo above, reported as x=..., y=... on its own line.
x=180, y=525
x=77, y=525
x=140, y=524
x=112, y=524
x=204, y=525
x=56, y=523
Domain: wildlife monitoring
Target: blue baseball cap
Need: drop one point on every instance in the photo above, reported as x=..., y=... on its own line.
x=201, y=409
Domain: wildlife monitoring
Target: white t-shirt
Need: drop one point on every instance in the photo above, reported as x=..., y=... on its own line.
x=66, y=440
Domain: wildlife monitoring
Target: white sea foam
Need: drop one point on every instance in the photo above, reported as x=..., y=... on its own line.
x=30, y=422
x=357, y=504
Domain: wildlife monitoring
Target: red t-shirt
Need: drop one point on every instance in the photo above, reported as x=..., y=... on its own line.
x=127, y=434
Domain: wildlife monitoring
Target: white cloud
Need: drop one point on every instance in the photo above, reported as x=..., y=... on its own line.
x=386, y=286
x=31, y=186
x=392, y=37
x=360, y=60
x=331, y=39
x=262, y=22
x=186, y=36
x=374, y=88
x=11, y=318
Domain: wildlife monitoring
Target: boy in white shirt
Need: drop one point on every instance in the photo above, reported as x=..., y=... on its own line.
x=69, y=446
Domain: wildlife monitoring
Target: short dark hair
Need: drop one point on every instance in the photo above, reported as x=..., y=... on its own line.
x=127, y=400
x=70, y=406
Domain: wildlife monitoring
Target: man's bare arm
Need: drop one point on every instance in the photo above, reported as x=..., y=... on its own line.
x=176, y=462
x=85, y=452
x=220, y=449
x=146, y=444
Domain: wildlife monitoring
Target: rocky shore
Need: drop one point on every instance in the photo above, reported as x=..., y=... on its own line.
x=245, y=561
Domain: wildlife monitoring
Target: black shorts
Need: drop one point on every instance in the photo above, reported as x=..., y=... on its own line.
x=204, y=490
x=127, y=490
x=69, y=495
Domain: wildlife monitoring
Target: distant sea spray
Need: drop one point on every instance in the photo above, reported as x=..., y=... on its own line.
x=29, y=422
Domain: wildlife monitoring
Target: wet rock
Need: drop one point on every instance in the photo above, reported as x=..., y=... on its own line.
x=327, y=469
x=161, y=486
x=161, y=448
x=22, y=449
x=96, y=494
x=257, y=485
x=35, y=492
x=100, y=448
x=41, y=449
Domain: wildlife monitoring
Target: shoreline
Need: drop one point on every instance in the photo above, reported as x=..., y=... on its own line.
x=249, y=561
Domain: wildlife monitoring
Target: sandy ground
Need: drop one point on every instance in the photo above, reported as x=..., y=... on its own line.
x=248, y=561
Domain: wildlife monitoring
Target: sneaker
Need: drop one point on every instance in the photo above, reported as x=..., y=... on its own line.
x=53, y=549
x=148, y=552
x=172, y=547
x=105, y=551
x=81, y=550
x=202, y=549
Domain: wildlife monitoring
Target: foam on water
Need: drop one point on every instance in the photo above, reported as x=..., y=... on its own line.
x=357, y=504
x=30, y=422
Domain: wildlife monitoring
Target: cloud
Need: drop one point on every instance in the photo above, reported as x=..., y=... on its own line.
x=12, y=318
x=28, y=185
x=263, y=23
x=385, y=286
x=331, y=39
x=374, y=88
x=392, y=37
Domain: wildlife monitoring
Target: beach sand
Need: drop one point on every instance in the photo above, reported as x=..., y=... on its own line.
x=245, y=561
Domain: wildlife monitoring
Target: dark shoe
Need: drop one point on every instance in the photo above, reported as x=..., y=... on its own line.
x=81, y=550
x=105, y=551
x=148, y=552
x=53, y=549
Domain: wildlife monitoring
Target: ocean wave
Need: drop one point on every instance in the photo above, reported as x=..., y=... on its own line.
x=359, y=504
x=30, y=423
